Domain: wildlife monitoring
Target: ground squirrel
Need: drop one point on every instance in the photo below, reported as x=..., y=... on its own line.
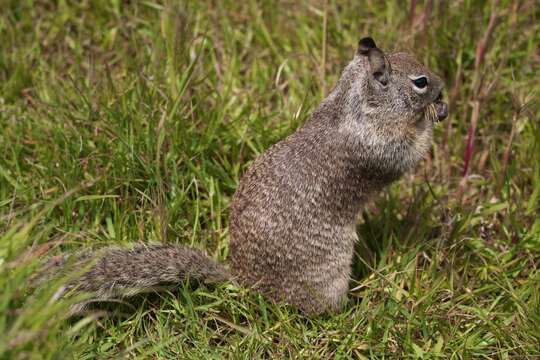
x=293, y=216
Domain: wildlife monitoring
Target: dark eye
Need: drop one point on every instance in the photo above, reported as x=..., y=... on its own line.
x=421, y=82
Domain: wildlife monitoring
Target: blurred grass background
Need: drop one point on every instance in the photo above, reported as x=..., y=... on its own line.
x=126, y=121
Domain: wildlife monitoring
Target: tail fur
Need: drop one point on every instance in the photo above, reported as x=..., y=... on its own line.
x=121, y=272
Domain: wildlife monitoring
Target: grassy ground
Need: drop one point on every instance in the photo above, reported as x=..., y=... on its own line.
x=129, y=121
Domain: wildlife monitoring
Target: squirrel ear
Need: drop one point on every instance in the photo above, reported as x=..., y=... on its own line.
x=380, y=67
x=366, y=44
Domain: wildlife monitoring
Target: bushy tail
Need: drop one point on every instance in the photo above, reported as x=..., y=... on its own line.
x=121, y=272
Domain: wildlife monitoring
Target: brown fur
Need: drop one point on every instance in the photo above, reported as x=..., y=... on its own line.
x=293, y=216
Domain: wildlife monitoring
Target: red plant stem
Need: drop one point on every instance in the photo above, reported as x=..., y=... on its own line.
x=482, y=44
x=412, y=12
x=477, y=86
x=470, y=137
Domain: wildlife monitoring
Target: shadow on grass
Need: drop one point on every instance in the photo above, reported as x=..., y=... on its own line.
x=393, y=226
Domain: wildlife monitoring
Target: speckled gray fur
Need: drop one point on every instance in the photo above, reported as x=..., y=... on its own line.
x=293, y=217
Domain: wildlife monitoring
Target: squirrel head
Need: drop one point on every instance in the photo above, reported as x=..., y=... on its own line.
x=399, y=82
x=390, y=103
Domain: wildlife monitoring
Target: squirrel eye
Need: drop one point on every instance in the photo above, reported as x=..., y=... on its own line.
x=421, y=82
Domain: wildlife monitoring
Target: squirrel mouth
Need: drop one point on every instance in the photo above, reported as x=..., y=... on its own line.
x=441, y=109
x=437, y=110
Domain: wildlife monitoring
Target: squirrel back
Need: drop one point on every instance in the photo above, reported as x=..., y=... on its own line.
x=293, y=216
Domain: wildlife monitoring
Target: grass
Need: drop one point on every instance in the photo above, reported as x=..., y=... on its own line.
x=132, y=121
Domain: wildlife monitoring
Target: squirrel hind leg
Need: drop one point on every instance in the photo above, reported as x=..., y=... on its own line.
x=331, y=297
